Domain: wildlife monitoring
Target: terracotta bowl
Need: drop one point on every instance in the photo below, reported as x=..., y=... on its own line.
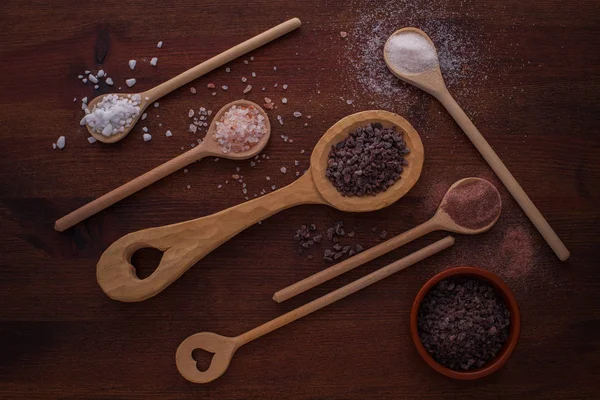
x=513, y=333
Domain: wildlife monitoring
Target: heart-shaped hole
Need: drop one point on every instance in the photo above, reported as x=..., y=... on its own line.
x=203, y=359
x=145, y=261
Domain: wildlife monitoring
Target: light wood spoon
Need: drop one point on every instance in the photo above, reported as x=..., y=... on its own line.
x=208, y=147
x=185, y=243
x=432, y=82
x=440, y=221
x=150, y=96
x=225, y=347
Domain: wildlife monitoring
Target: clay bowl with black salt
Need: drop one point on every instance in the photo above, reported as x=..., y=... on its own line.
x=186, y=243
x=503, y=293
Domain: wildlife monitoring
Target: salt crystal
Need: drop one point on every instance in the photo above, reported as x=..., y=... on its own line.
x=146, y=98
x=273, y=187
x=109, y=81
x=214, y=93
x=224, y=87
x=264, y=88
x=193, y=128
x=296, y=162
x=280, y=119
x=254, y=74
x=283, y=170
x=410, y=52
x=285, y=86
x=153, y=61
x=302, y=151
x=100, y=73
x=84, y=80
x=239, y=129
x=244, y=79
x=210, y=86
x=193, y=90
x=297, y=114
x=219, y=186
x=192, y=145
x=54, y=146
x=274, y=68
x=144, y=115
x=297, y=173
x=60, y=143
x=160, y=124
x=228, y=70
x=156, y=104
x=84, y=100
x=132, y=64
x=268, y=178
x=284, y=100
x=87, y=72
x=190, y=113
x=252, y=58
x=291, y=140
x=275, y=85
x=80, y=76
x=111, y=112
x=130, y=82
x=188, y=186
x=248, y=88
x=147, y=137
x=96, y=87
x=209, y=112
x=91, y=140
x=159, y=44
x=246, y=62
x=168, y=134
x=252, y=163
x=349, y=101
x=343, y=34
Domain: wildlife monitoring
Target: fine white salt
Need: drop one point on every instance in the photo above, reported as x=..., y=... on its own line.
x=147, y=137
x=153, y=61
x=60, y=143
x=132, y=64
x=411, y=53
x=130, y=82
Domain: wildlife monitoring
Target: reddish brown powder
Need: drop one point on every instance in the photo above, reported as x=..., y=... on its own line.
x=516, y=252
x=473, y=204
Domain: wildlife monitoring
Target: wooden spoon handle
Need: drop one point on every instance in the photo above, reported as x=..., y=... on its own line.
x=355, y=261
x=129, y=188
x=347, y=290
x=186, y=243
x=504, y=174
x=223, y=58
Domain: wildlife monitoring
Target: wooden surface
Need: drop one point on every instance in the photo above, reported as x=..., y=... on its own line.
x=62, y=337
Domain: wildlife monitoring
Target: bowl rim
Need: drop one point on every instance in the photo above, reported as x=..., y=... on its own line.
x=513, y=333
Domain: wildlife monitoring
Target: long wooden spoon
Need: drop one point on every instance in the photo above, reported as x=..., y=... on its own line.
x=150, y=96
x=431, y=81
x=225, y=347
x=443, y=219
x=208, y=147
x=185, y=243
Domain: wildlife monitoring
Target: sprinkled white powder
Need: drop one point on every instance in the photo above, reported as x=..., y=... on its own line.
x=147, y=137
x=239, y=129
x=153, y=61
x=113, y=113
x=60, y=143
x=411, y=53
x=132, y=64
x=130, y=82
x=159, y=44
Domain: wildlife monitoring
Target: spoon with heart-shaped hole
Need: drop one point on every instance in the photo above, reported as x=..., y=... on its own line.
x=411, y=55
x=471, y=206
x=225, y=347
x=185, y=243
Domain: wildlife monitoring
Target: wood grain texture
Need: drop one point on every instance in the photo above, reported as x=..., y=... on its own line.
x=62, y=337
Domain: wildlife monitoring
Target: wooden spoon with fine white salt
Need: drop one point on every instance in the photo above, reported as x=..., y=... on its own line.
x=208, y=147
x=411, y=55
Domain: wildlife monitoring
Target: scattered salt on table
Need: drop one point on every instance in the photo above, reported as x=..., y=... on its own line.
x=228, y=70
x=191, y=113
x=284, y=100
x=92, y=78
x=145, y=129
x=411, y=53
x=283, y=170
x=193, y=90
x=297, y=114
x=109, y=81
x=147, y=137
x=285, y=86
x=224, y=87
x=91, y=139
x=60, y=143
x=144, y=115
x=132, y=64
x=153, y=61
x=84, y=80
x=248, y=88
x=156, y=104
x=159, y=44
x=96, y=87
x=244, y=79
x=254, y=74
x=130, y=82
x=100, y=73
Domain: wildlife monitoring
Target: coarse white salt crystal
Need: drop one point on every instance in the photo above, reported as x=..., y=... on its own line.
x=343, y=34
x=84, y=80
x=160, y=124
x=244, y=79
x=109, y=81
x=130, y=82
x=252, y=58
x=153, y=61
x=267, y=100
x=284, y=100
x=275, y=85
x=273, y=187
x=100, y=73
x=80, y=76
x=209, y=113
x=145, y=129
x=54, y=146
x=264, y=88
x=216, y=158
x=214, y=93
x=302, y=151
x=168, y=134
x=268, y=178
x=91, y=140
x=192, y=145
x=219, y=186
x=224, y=87
x=147, y=137
x=191, y=113
x=274, y=68
x=87, y=72
x=280, y=119
x=188, y=186
x=252, y=163
x=193, y=128
x=285, y=86
x=84, y=100
x=296, y=162
x=254, y=74
x=246, y=62
x=291, y=140
x=244, y=190
x=297, y=114
x=410, y=53
x=145, y=98
x=156, y=104
x=159, y=44
x=60, y=143
x=74, y=99
x=96, y=87
x=193, y=90
x=144, y=115
x=248, y=88
x=132, y=64
x=283, y=170
x=297, y=173
x=228, y=70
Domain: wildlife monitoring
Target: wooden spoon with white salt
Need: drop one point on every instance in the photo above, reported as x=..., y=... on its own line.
x=411, y=55
x=143, y=100
x=208, y=147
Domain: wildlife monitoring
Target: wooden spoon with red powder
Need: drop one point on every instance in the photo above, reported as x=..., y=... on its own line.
x=469, y=207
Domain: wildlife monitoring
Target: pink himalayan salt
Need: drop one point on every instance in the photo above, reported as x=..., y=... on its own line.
x=239, y=129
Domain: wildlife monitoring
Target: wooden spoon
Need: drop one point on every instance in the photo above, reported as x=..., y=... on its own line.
x=432, y=82
x=225, y=347
x=150, y=96
x=208, y=147
x=441, y=220
x=185, y=243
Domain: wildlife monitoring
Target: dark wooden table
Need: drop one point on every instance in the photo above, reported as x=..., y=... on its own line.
x=527, y=72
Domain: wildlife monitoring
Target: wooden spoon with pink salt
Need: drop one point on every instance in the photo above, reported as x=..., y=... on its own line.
x=238, y=131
